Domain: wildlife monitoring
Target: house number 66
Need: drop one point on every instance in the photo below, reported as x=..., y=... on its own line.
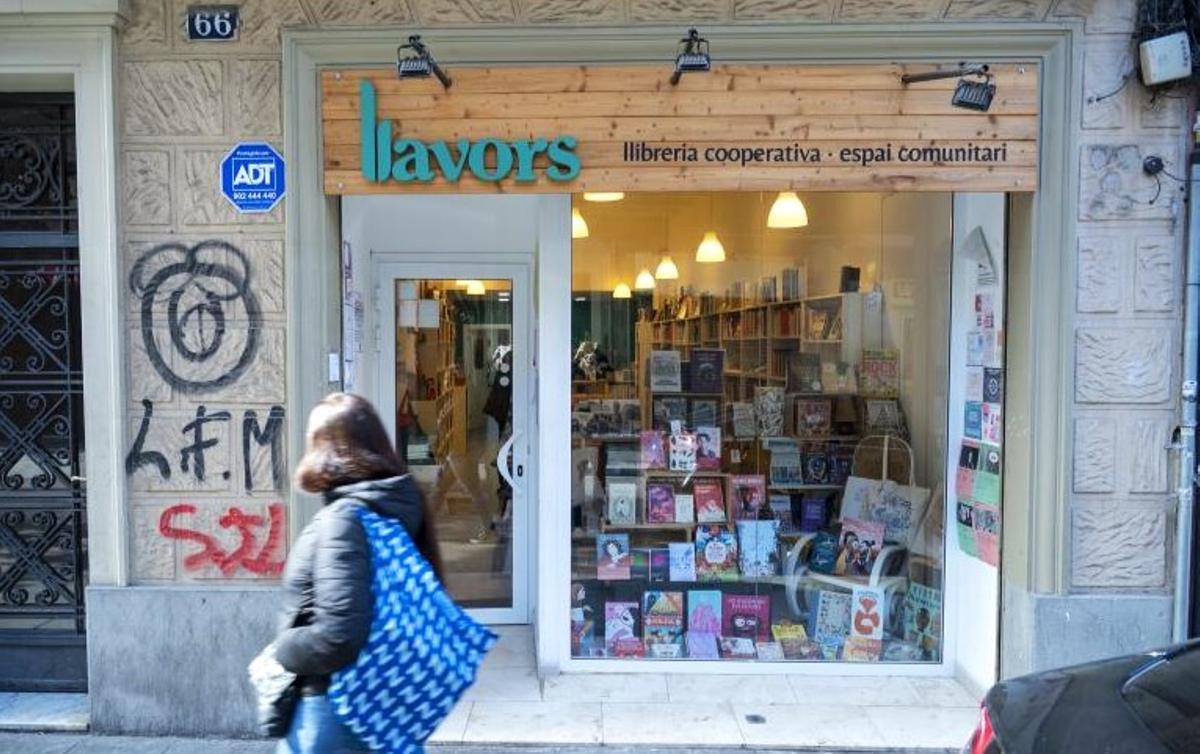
x=212, y=23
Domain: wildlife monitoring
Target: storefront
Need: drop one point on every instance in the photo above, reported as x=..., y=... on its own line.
x=783, y=291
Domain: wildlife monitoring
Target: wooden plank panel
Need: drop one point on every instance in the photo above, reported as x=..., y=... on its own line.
x=691, y=179
x=612, y=154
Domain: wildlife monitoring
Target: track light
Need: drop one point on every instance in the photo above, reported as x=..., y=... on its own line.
x=420, y=64
x=693, y=56
x=969, y=95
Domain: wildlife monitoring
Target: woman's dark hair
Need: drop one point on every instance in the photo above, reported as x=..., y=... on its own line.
x=347, y=444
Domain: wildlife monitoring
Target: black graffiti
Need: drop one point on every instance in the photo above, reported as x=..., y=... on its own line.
x=195, y=452
x=138, y=457
x=270, y=434
x=198, y=285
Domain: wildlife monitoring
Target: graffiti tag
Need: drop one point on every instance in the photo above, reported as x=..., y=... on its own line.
x=263, y=560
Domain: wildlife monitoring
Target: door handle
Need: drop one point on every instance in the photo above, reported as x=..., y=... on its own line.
x=502, y=461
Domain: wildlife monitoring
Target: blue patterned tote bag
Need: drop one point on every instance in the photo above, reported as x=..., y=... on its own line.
x=422, y=652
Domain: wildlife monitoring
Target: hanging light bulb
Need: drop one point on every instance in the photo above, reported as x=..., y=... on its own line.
x=475, y=288
x=710, y=249
x=666, y=269
x=603, y=196
x=645, y=281
x=787, y=212
x=579, y=228
x=622, y=291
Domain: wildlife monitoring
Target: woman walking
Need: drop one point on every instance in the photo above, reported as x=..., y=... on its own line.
x=327, y=580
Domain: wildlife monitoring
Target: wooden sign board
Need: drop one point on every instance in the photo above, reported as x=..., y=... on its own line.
x=625, y=128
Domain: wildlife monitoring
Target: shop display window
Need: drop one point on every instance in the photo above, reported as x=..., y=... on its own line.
x=759, y=408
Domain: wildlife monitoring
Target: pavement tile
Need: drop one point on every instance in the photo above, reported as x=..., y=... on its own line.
x=506, y=685
x=925, y=726
x=807, y=725
x=735, y=689
x=628, y=723
x=523, y=723
x=605, y=687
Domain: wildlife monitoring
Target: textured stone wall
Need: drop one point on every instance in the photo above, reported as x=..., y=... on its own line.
x=185, y=104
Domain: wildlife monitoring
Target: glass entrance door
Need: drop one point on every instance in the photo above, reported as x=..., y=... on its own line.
x=454, y=386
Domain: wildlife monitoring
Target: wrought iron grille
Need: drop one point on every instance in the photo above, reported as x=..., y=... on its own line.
x=42, y=522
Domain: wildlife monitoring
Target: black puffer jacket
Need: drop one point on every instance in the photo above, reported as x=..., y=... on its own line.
x=327, y=580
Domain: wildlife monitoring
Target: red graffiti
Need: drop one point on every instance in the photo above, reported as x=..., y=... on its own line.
x=263, y=560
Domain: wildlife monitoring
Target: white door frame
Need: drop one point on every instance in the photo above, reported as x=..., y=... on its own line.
x=385, y=269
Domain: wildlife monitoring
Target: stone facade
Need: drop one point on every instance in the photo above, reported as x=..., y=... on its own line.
x=185, y=104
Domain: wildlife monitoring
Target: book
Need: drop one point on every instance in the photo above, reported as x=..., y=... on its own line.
x=705, y=412
x=991, y=427
x=666, y=372
x=660, y=503
x=993, y=385
x=769, y=650
x=662, y=623
x=867, y=618
x=639, y=563
x=923, y=619
x=814, y=417
x=814, y=511
x=769, y=410
x=653, y=450
x=668, y=413
x=831, y=618
x=758, y=548
x=746, y=616
x=879, y=374
x=817, y=326
x=786, y=464
x=742, y=418
x=708, y=368
x=737, y=648
x=613, y=561
x=622, y=459
x=862, y=649
x=716, y=553
x=682, y=561
x=708, y=451
x=838, y=377
x=583, y=621
x=804, y=372
x=780, y=506
x=883, y=417
x=749, y=495
x=823, y=557
x=659, y=564
x=973, y=420
x=685, y=508
x=974, y=385
x=704, y=611
x=815, y=465
x=786, y=630
x=621, y=623
x=859, y=546
x=710, y=501
x=841, y=463
x=702, y=646
x=682, y=455
x=622, y=502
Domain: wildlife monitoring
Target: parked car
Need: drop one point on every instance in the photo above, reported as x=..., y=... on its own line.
x=1138, y=704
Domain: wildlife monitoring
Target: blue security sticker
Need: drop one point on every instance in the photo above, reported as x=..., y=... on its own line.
x=253, y=177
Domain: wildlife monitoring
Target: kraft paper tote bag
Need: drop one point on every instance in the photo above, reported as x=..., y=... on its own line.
x=421, y=655
x=899, y=507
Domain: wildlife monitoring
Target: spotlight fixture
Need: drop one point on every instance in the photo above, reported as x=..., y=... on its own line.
x=969, y=94
x=666, y=269
x=692, y=56
x=603, y=196
x=622, y=291
x=579, y=228
x=645, y=281
x=420, y=64
x=787, y=212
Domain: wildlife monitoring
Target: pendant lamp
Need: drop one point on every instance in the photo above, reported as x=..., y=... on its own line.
x=622, y=291
x=645, y=281
x=666, y=269
x=710, y=249
x=603, y=196
x=579, y=228
x=787, y=212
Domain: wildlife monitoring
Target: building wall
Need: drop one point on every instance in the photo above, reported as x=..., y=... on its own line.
x=184, y=105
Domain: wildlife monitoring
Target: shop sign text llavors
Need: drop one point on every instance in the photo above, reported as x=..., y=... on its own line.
x=843, y=127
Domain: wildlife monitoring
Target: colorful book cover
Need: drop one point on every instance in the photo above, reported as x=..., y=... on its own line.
x=824, y=554
x=862, y=649
x=989, y=459
x=613, y=561
x=965, y=515
x=867, y=612
x=683, y=447
x=815, y=468
x=786, y=465
x=859, y=547
x=685, y=508
x=987, y=488
x=705, y=412
x=667, y=412
x=992, y=424
x=666, y=372
x=841, y=463
x=742, y=418
x=708, y=367
x=769, y=650
x=758, y=548
x=749, y=492
x=708, y=451
x=814, y=417
x=716, y=554
x=973, y=420
x=814, y=511
x=769, y=409
x=780, y=506
x=804, y=372
x=702, y=646
x=987, y=533
x=791, y=638
x=746, y=616
x=968, y=455
x=964, y=483
x=993, y=385
x=838, y=378
x=660, y=503
x=710, y=501
x=622, y=502
x=660, y=564
x=621, y=622
x=704, y=611
x=681, y=561
x=654, y=450
x=737, y=648
x=923, y=619
x=639, y=563
x=879, y=374
x=662, y=623
x=831, y=618
x=883, y=416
